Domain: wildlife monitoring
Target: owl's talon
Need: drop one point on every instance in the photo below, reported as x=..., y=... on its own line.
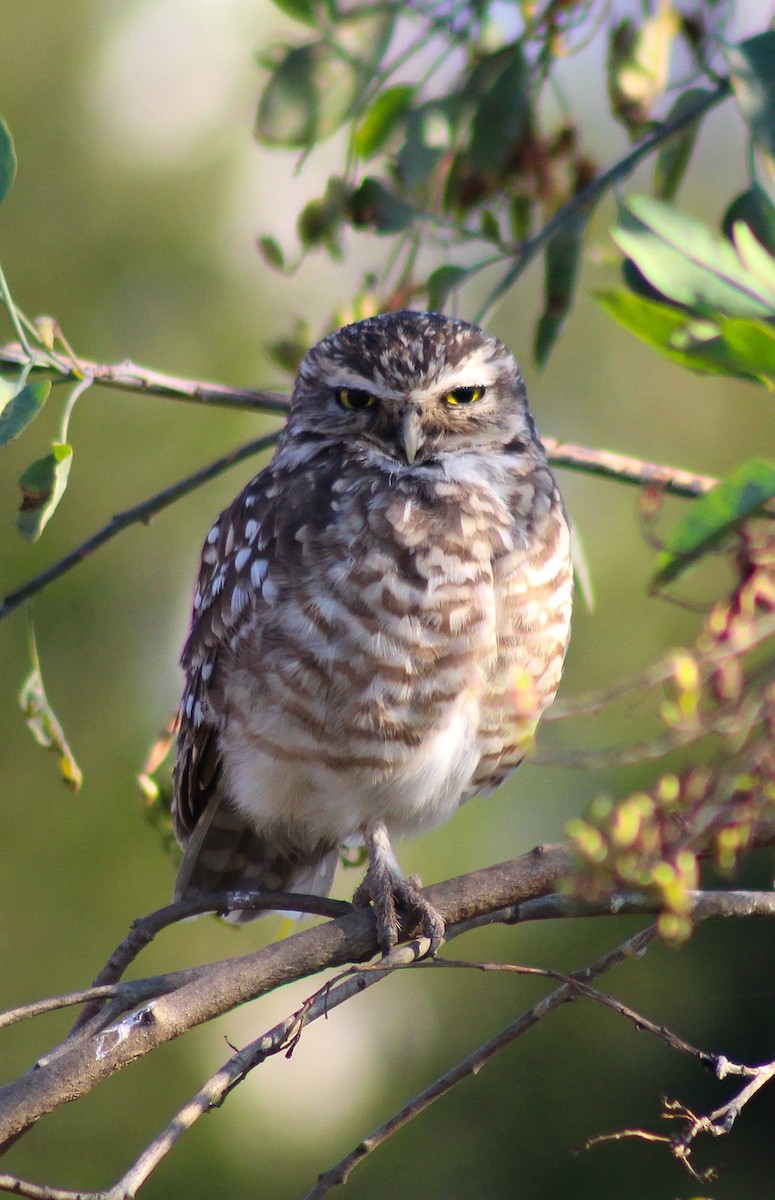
x=385, y=891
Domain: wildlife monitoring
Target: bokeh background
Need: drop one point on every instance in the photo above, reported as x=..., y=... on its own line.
x=133, y=220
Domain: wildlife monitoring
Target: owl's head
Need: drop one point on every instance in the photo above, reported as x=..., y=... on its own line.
x=413, y=386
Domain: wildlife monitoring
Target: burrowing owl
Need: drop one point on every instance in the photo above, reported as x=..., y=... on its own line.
x=380, y=619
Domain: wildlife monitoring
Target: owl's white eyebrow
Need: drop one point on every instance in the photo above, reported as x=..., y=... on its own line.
x=478, y=370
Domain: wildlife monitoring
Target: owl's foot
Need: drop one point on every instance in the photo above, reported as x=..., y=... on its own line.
x=384, y=886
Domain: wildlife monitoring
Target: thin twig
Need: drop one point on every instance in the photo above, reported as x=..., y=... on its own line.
x=38, y=1007
x=283, y=1037
x=662, y=671
x=145, y=929
x=138, y=514
x=129, y=377
x=626, y=469
x=603, y=998
x=634, y=947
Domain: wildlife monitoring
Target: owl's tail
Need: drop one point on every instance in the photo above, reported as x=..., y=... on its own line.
x=224, y=853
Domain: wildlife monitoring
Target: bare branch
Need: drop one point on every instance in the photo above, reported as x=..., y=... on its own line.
x=138, y=514
x=37, y=1191
x=38, y=1007
x=634, y=947
x=186, y=999
x=704, y=905
x=129, y=377
x=626, y=469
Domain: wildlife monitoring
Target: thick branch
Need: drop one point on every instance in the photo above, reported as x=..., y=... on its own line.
x=219, y=987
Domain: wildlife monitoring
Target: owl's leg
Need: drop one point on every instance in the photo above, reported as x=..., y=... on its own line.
x=385, y=887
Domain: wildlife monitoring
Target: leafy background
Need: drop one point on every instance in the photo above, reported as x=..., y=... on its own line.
x=139, y=199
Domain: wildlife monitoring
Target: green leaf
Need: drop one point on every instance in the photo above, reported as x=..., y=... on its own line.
x=305, y=11
x=499, y=88
x=752, y=71
x=755, y=209
x=22, y=408
x=374, y=206
x=43, y=485
x=320, y=221
x=272, y=252
x=561, y=266
x=44, y=726
x=752, y=255
x=674, y=154
x=430, y=133
x=381, y=118
x=723, y=346
x=687, y=262
x=310, y=93
x=441, y=283
x=7, y=160
x=712, y=516
x=752, y=343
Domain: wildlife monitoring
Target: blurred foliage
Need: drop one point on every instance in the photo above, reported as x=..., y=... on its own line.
x=463, y=141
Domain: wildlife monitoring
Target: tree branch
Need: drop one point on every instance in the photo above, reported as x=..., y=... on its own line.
x=186, y=999
x=129, y=377
x=141, y=513
x=340, y=1172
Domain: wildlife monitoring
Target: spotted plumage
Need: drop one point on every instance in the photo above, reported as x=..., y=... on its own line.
x=380, y=618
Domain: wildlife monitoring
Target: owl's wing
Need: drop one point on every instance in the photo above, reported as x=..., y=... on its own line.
x=228, y=602
x=251, y=552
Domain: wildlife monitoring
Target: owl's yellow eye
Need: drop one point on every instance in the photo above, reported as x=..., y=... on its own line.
x=464, y=395
x=355, y=398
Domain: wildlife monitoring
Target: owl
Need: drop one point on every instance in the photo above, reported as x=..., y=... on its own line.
x=380, y=618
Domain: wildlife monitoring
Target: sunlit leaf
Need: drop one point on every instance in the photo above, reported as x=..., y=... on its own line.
x=723, y=345
x=441, y=283
x=752, y=343
x=752, y=71
x=155, y=787
x=7, y=160
x=638, y=65
x=21, y=408
x=44, y=726
x=687, y=262
x=561, y=265
x=381, y=119
x=674, y=154
x=373, y=205
x=753, y=255
x=712, y=516
x=309, y=94
x=43, y=485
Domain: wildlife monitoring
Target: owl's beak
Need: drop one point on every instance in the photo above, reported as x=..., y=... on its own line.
x=410, y=434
